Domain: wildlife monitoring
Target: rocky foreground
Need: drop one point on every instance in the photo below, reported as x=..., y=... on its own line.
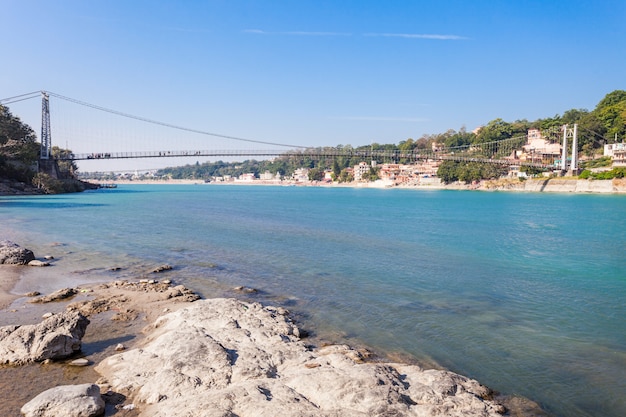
x=226, y=357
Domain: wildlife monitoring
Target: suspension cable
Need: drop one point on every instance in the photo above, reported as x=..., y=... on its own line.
x=143, y=119
x=21, y=97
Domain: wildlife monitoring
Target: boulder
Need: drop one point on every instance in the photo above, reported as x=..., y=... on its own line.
x=12, y=254
x=56, y=337
x=37, y=262
x=66, y=401
x=58, y=295
x=228, y=357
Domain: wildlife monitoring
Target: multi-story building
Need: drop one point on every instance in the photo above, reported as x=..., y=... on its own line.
x=617, y=152
x=539, y=149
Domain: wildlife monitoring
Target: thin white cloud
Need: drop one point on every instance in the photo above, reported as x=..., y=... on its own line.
x=438, y=37
x=296, y=33
x=419, y=36
x=382, y=119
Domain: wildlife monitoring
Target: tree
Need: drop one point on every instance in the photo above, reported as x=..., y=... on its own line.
x=371, y=175
x=496, y=130
x=448, y=171
x=17, y=145
x=67, y=167
x=346, y=176
x=316, y=174
x=336, y=168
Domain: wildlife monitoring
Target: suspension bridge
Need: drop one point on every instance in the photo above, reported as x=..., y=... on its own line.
x=502, y=152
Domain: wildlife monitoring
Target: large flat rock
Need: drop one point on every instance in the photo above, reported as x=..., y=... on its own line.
x=223, y=357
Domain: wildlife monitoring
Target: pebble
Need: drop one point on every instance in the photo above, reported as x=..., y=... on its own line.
x=79, y=362
x=37, y=262
x=47, y=315
x=120, y=347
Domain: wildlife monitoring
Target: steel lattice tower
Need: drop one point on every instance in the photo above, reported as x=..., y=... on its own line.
x=46, y=136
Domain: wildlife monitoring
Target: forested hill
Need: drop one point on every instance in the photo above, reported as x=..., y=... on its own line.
x=19, y=155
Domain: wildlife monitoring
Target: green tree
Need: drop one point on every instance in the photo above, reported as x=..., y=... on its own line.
x=448, y=171
x=346, y=176
x=18, y=148
x=67, y=167
x=336, y=168
x=611, y=111
x=371, y=175
x=496, y=130
x=316, y=174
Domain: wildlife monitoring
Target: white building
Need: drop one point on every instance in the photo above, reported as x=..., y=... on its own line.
x=360, y=170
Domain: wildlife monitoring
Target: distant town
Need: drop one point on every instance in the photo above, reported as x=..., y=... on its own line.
x=423, y=172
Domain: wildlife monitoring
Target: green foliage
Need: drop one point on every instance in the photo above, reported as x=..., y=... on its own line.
x=613, y=118
x=530, y=171
x=604, y=161
x=18, y=149
x=448, y=171
x=67, y=168
x=48, y=184
x=316, y=174
x=371, y=175
x=604, y=175
x=12, y=128
x=451, y=171
x=346, y=176
x=495, y=131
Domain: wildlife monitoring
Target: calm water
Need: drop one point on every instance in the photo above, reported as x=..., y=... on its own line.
x=524, y=292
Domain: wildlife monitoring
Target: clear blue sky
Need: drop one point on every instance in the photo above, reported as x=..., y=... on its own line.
x=318, y=72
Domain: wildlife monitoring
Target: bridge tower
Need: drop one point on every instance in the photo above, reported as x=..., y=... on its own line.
x=46, y=136
x=570, y=133
x=47, y=164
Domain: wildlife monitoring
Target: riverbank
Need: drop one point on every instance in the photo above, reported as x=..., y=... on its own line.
x=144, y=331
x=545, y=185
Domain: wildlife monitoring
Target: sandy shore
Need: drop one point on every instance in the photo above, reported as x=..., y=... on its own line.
x=118, y=313
x=9, y=276
x=543, y=185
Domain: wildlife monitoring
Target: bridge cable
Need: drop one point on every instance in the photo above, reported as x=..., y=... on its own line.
x=21, y=97
x=143, y=119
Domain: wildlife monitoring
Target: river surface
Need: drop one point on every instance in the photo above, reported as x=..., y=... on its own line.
x=524, y=292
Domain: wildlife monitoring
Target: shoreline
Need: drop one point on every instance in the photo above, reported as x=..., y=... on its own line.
x=543, y=185
x=533, y=185
x=139, y=308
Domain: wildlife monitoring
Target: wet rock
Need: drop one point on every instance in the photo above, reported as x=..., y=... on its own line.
x=66, y=401
x=56, y=296
x=37, y=262
x=246, y=290
x=12, y=254
x=79, y=362
x=56, y=337
x=162, y=268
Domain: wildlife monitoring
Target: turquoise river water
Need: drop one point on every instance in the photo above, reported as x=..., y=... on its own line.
x=524, y=292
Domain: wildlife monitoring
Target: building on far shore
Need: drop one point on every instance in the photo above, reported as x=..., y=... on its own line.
x=538, y=148
x=617, y=152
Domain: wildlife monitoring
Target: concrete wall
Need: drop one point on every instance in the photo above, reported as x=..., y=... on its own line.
x=575, y=186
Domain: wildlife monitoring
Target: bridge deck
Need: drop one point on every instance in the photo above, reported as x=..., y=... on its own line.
x=384, y=154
